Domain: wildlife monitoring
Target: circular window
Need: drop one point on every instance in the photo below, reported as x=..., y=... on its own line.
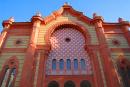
x=116, y=42
x=11, y=62
x=53, y=84
x=18, y=42
x=67, y=39
x=85, y=83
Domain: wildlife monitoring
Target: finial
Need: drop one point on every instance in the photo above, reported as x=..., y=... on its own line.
x=66, y=3
x=94, y=15
x=11, y=19
x=120, y=19
x=38, y=14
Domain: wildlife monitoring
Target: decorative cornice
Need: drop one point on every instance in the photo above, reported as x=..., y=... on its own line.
x=7, y=23
x=69, y=9
x=97, y=18
x=44, y=47
x=123, y=22
x=36, y=17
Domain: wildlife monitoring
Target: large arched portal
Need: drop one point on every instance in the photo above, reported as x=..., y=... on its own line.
x=67, y=49
x=53, y=84
x=69, y=84
x=85, y=83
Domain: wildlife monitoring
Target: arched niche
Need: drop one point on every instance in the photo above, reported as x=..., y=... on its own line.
x=68, y=42
x=69, y=84
x=9, y=72
x=123, y=65
x=68, y=24
x=53, y=84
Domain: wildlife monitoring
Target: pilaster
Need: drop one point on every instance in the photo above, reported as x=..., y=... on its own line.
x=44, y=51
x=96, y=70
x=109, y=71
x=6, y=25
x=28, y=70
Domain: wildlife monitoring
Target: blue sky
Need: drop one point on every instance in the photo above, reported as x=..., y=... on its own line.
x=23, y=10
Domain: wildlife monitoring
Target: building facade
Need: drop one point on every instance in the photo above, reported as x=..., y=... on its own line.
x=65, y=49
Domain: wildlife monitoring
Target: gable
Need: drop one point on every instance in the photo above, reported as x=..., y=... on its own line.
x=66, y=16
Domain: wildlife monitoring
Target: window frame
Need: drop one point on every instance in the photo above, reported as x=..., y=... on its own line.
x=122, y=66
x=61, y=63
x=68, y=64
x=76, y=64
x=82, y=64
x=54, y=63
x=10, y=63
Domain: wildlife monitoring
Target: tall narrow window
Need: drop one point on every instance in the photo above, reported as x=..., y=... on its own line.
x=128, y=72
x=5, y=77
x=9, y=78
x=82, y=64
x=12, y=77
x=9, y=73
x=124, y=72
x=68, y=64
x=54, y=64
x=75, y=64
x=61, y=64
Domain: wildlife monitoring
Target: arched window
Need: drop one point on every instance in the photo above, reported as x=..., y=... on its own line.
x=9, y=72
x=68, y=64
x=69, y=84
x=61, y=64
x=53, y=84
x=5, y=76
x=75, y=64
x=8, y=78
x=124, y=71
x=85, y=83
x=82, y=64
x=128, y=72
x=54, y=64
x=12, y=77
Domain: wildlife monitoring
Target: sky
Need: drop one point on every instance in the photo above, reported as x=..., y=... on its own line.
x=23, y=10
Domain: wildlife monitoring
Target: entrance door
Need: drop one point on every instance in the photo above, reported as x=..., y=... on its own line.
x=53, y=84
x=69, y=84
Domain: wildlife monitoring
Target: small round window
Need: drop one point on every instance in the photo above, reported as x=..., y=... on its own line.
x=116, y=42
x=67, y=39
x=18, y=42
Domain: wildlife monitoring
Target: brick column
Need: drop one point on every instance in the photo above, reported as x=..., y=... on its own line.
x=91, y=50
x=109, y=71
x=6, y=26
x=28, y=70
x=41, y=81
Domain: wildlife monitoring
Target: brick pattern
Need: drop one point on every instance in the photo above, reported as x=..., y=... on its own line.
x=11, y=42
x=72, y=49
x=118, y=37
